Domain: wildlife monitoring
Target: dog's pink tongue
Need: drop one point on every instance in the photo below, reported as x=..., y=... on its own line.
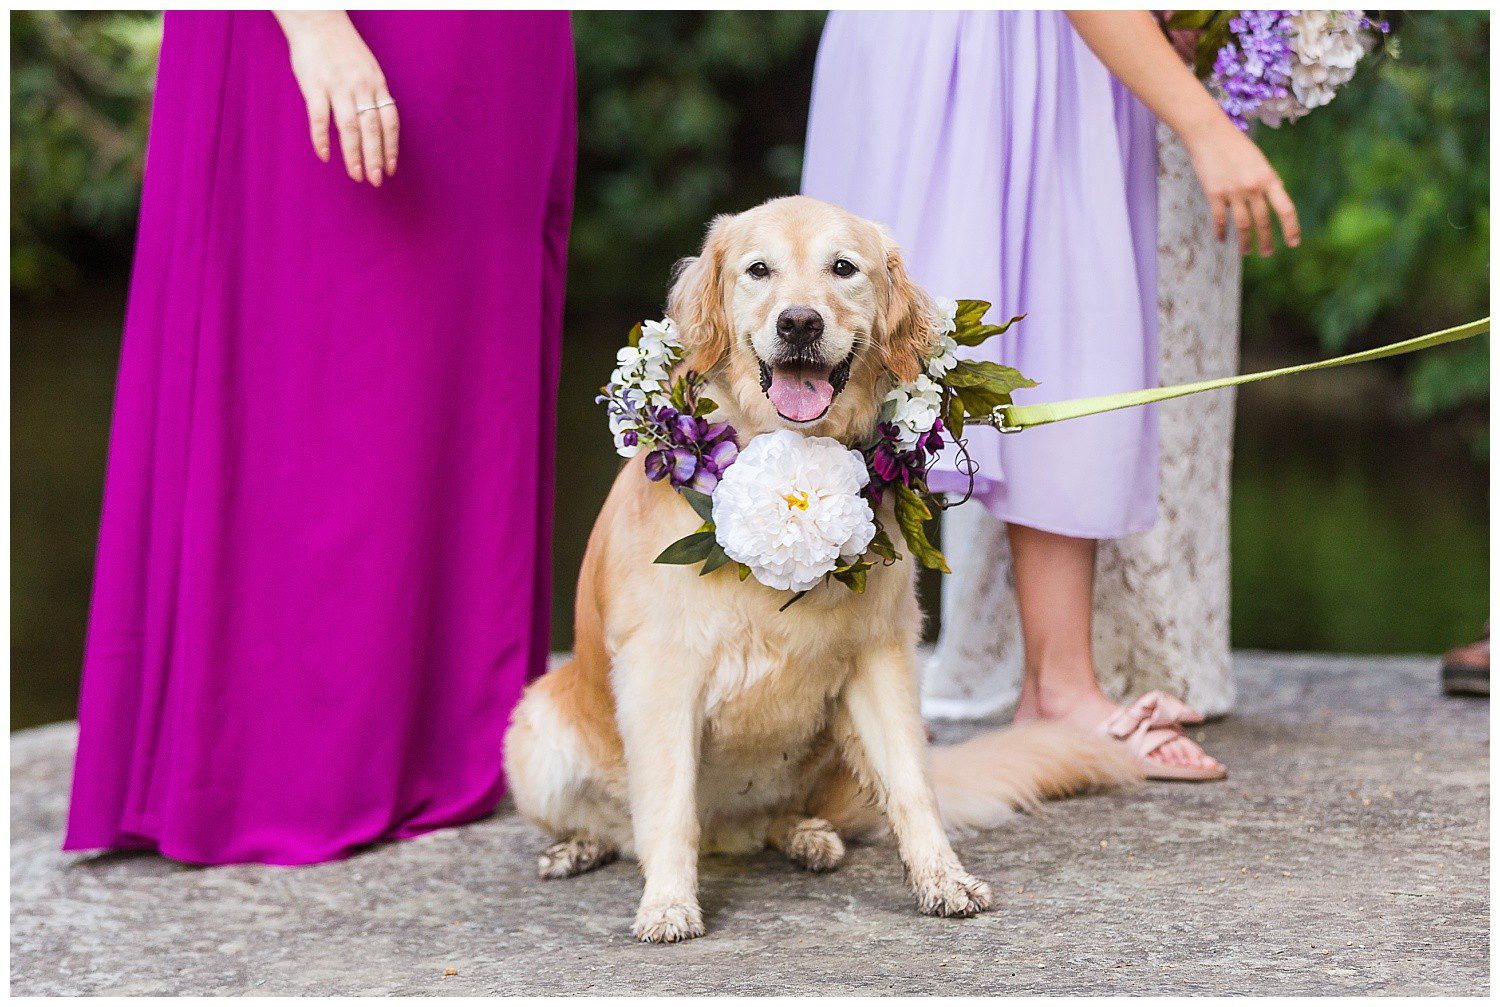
x=800, y=392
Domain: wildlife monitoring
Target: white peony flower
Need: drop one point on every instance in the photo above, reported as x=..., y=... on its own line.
x=790, y=508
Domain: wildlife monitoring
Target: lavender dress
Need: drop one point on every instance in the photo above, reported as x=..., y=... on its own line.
x=1012, y=167
x=322, y=578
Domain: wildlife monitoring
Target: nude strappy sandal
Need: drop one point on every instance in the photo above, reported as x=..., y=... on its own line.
x=1150, y=722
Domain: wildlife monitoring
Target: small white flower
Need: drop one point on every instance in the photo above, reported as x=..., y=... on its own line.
x=944, y=358
x=641, y=379
x=624, y=449
x=621, y=424
x=947, y=316
x=790, y=509
x=914, y=409
x=664, y=331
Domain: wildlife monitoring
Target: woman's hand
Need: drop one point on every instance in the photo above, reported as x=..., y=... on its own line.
x=1240, y=183
x=1238, y=179
x=336, y=71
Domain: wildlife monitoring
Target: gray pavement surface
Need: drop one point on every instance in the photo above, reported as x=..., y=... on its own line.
x=1347, y=853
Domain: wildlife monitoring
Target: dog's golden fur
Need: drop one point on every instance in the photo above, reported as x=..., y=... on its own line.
x=697, y=715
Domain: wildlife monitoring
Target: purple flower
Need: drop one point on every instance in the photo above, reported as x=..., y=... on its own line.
x=688, y=429
x=657, y=465
x=692, y=452
x=889, y=464
x=721, y=455
x=684, y=466
x=1255, y=66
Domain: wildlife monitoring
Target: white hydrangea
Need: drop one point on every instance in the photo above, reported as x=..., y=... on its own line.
x=790, y=509
x=1326, y=47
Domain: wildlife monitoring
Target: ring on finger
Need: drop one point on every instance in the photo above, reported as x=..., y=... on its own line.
x=383, y=103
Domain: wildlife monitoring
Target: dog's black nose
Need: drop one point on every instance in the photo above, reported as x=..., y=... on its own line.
x=799, y=326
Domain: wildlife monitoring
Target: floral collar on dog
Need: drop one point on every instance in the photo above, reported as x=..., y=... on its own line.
x=789, y=509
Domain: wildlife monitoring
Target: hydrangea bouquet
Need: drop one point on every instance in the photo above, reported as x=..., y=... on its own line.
x=793, y=510
x=1274, y=66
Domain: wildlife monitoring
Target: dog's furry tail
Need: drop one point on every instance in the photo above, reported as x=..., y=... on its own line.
x=987, y=779
x=983, y=781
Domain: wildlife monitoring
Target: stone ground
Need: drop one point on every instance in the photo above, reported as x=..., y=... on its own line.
x=1348, y=853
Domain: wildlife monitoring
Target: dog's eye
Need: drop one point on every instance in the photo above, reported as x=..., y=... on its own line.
x=843, y=267
x=759, y=270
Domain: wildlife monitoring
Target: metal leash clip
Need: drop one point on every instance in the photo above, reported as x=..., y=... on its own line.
x=997, y=419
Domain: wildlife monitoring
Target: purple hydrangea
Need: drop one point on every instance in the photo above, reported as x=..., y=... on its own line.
x=1255, y=66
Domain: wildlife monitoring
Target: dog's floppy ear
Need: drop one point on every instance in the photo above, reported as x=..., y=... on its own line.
x=696, y=302
x=910, y=316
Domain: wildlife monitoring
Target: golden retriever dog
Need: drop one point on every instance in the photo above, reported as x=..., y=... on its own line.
x=696, y=715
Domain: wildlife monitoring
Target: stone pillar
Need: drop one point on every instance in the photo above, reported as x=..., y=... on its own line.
x=1161, y=600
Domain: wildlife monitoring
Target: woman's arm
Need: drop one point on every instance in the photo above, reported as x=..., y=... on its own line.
x=1235, y=175
x=335, y=69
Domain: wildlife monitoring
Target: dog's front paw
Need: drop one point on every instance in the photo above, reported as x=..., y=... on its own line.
x=952, y=893
x=668, y=922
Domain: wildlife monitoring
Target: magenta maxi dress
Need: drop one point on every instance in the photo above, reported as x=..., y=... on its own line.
x=323, y=568
x=1012, y=167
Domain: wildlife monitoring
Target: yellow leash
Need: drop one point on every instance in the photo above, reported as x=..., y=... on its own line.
x=1014, y=418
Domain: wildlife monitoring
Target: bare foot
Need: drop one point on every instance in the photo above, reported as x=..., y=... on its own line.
x=1148, y=726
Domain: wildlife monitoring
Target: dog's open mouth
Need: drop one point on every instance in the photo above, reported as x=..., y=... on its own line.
x=803, y=390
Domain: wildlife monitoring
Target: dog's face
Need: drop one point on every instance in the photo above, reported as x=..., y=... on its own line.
x=803, y=312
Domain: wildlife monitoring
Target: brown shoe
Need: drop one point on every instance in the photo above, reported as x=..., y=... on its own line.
x=1466, y=670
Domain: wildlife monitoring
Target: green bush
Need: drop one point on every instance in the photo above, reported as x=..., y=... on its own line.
x=1392, y=182
x=80, y=100
x=681, y=116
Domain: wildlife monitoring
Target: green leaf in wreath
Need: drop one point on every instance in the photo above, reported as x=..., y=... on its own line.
x=703, y=406
x=717, y=557
x=635, y=335
x=993, y=377
x=792, y=601
x=701, y=503
x=853, y=576
x=980, y=401
x=975, y=334
x=744, y=571
x=912, y=514
x=882, y=546
x=953, y=414
x=970, y=312
x=692, y=549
